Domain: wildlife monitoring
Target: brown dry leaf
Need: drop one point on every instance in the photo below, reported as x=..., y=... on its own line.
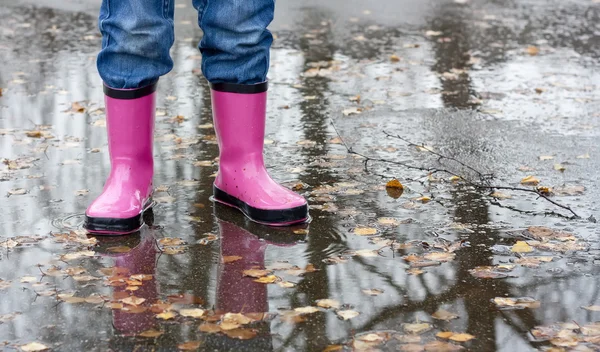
x=209, y=328
x=372, y=337
x=408, y=338
x=440, y=256
x=133, y=300
x=365, y=231
x=333, y=348
x=34, y=347
x=151, y=333
x=521, y=247
x=530, y=181
x=394, y=58
x=532, y=50
x=417, y=328
x=328, y=303
x=542, y=233
x=256, y=273
x=488, y=272
x=166, y=315
x=462, y=337
x=141, y=277
x=508, y=303
x=77, y=108
x=171, y=241
x=352, y=111
x=347, y=314
x=533, y=262
x=444, y=315
x=366, y=253
x=267, y=279
x=241, y=334
x=373, y=292
x=592, y=308
x=174, y=250
x=543, y=190
x=230, y=258
x=194, y=313
x=189, y=346
x=94, y=299
x=71, y=299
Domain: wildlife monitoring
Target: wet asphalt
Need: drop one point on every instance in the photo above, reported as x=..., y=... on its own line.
x=501, y=89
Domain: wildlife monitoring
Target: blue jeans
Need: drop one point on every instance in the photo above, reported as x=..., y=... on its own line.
x=138, y=34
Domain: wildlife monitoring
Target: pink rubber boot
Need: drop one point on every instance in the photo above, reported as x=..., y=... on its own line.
x=239, y=113
x=127, y=193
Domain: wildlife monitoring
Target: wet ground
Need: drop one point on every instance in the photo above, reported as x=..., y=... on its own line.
x=458, y=100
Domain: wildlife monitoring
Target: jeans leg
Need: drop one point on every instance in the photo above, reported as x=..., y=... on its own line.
x=136, y=38
x=236, y=43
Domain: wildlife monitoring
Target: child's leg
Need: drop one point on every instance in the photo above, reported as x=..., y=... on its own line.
x=236, y=43
x=235, y=60
x=136, y=38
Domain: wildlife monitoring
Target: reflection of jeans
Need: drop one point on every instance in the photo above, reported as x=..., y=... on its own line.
x=138, y=34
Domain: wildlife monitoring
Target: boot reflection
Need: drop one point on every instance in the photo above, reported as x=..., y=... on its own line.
x=239, y=294
x=134, y=274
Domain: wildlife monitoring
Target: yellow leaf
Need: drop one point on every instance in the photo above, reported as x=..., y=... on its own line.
x=373, y=292
x=530, y=181
x=544, y=190
x=166, y=315
x=394, y=184
x=521, y=247
x=231, y=259
x=286, y=284
x=365, y=231
x=394, y=58
x=307, y=310
x=388, y=221
x=256, y=272
x=267, y=279
x=462, y=337
x=559, y=167
x=532, y=50
x=209, y=328
x=189, y=346
x=444, y=334
x=423, y=199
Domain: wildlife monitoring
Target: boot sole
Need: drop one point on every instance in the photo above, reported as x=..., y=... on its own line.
x=275, y=217
x=120, y=226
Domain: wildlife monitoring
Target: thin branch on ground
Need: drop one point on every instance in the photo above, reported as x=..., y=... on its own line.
x=484, y=179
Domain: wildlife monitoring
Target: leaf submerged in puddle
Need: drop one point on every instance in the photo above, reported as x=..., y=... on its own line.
x=417, y=328
x=509, y=303
x=347, y=314
x=444, y=315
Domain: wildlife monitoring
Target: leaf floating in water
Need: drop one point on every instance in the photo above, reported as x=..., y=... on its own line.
x=193, y=313
x=166, y=315
x=347, y=314
x=328, y=303
x=530, y=181
x=521, y=247
x=151, y=333
x=417, y=328
x=269, y=279
x=510, y=303
x=373, y=292
x=365, y=231
x=133, y=300
x=444, y=315
x=306, y=310
x=256, y=273
x=34, y=347
x=189, y=346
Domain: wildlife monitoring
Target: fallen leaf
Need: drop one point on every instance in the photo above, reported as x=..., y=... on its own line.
x=388, y=221
x=440, y=256
x=416, y=328
x=286, y=284
x=194, y=313
x=444, y=315
x=569, y=190
x=365, y=231
x=328, y=303
x=532, y=50
x=306, y=310
x=189, y=346
x=17, y=192
x=488, y=272
x=441, y=346
x=463, y=337
x=499, y=195
x=347, y=314
x=508, y=303
x=151, y=333
x=433, y=33
x=533, y=262
x=77, y=108
x=34, y=346
x=521, y=247
x=546, y=157
x=267, y=279
x=28, y=279
x=530, y=181
x=209, y=328
x=241, y=334
x=370, y=338
x=559, y=167
x=584, y=156
x=394, y=58
x=166, y=315
x=76, y=255
x=256, y=273
x=133, y=300
x=592, y=308
x=444, y=334
x=351, y=111
x=231, y=259
x=373, y=292
x=542, y=233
